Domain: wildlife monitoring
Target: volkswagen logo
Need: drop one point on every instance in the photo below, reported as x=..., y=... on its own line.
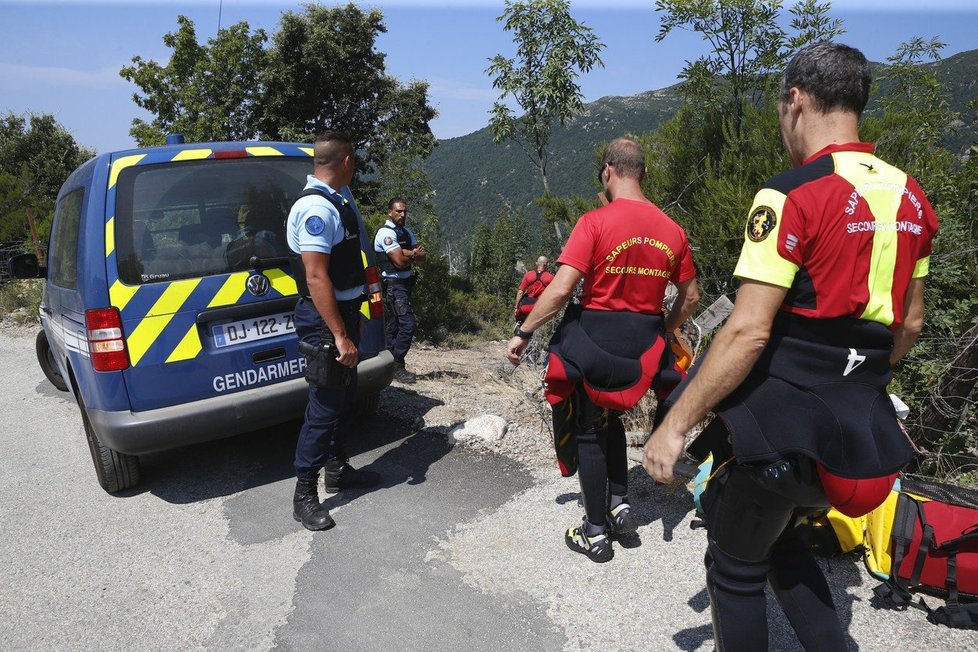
x=258, y=285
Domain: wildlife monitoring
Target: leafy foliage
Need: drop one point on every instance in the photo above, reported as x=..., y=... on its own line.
x=559, y=215
x=320, y=70
x=206, y=92
x=709, y=160
x=36, y=156
x=21, y=300
x=911, y=124
x=495, y=252
x=324, y=72
x=551, y=49
x=747, y=44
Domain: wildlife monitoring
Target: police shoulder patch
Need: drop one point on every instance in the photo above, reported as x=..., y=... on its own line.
x=761, y=222
x=315, y=225
x=388, y=240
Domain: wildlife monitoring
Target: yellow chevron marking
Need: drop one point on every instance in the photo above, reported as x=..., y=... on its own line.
x=231, y=291
x=173, y=297
x=109, y=237
x=263, y=151
x=120, y=294
x=152, y=325
x=188, y=348
x=282, y=282
x=365, y=306
x=144, y=335
x=122, y=164
x=192, y=155
x=307, y=150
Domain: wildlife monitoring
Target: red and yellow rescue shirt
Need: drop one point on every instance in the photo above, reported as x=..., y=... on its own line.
x=844, y=232
x=628, y=251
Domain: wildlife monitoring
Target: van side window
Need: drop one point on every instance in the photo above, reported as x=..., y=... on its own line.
x=63, y=260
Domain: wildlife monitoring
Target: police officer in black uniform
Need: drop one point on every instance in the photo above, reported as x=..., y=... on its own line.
x=397, y=251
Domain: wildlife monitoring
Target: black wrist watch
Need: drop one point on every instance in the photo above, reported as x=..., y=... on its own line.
x=519, y=332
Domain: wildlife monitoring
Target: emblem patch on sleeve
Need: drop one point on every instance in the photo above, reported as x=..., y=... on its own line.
x=315, y=225
x=761, y=222
x=388, y=240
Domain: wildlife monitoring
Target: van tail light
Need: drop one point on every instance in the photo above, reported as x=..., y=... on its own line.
x=375, y=293
x=106, y=343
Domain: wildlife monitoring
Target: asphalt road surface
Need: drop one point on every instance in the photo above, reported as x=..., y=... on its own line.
x=457, y=550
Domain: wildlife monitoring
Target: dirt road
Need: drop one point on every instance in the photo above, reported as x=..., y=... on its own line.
x=460, y=548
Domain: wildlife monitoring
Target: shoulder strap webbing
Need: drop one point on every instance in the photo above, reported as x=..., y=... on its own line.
x=347, y=217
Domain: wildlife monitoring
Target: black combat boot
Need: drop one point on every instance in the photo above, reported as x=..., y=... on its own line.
x=307, y=509
x=402, y=375
x=339, y=475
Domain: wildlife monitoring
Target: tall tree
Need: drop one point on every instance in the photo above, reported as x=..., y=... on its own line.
x=325, y=72
x=482, y=258
x=320, y=70
x=552, y=49
x=36, y=156
x=747, y=44
x=708, y=161
x=206, y=92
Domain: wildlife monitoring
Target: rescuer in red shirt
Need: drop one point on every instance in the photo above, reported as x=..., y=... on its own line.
x=832, y=296
x=609, y=350
x=534, y=282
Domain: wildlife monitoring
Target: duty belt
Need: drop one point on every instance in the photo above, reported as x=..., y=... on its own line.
x=346, y=308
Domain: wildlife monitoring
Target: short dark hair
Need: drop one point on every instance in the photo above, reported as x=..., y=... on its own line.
x=626, y=156
x=331, y=147
x=836, y=76
x=395, y=200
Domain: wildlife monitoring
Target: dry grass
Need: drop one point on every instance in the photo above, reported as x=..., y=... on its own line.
x=20, y=300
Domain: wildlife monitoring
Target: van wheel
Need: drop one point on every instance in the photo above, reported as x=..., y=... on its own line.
x=48, y=364
x=115, y=471
x=367, y=404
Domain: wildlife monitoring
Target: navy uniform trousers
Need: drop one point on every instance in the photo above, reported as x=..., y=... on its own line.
x=399, y=316
x=330, y=411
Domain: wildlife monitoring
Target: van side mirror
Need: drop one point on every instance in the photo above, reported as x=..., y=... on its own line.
x=26, y=266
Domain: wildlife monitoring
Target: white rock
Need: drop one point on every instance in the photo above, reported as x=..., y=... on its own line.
x=488, y=427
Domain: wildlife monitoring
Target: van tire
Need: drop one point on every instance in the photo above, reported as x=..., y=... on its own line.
x=49, y=365
x=115, y=471
x=367, y=405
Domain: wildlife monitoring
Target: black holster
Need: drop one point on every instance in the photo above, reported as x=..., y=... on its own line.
x=323, y=368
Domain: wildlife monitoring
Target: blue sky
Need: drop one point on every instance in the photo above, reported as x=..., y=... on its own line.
x=64, y=57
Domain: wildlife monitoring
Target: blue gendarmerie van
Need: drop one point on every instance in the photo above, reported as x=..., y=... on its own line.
x=167, y=307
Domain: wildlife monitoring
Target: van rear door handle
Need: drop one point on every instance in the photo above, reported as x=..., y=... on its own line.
x=270, y=354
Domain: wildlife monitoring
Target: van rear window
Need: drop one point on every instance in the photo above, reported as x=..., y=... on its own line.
x=196, y=218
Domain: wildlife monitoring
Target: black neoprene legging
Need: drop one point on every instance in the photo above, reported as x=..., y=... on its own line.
x=752, y=541
x=602, y=460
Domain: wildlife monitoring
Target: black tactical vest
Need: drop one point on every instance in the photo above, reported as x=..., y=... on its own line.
x=384, y=261
x=345, y=258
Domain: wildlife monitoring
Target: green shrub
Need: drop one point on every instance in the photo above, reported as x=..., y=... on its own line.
x=20, y=300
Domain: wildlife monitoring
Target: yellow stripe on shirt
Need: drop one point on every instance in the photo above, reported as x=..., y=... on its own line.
x=759, y=257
